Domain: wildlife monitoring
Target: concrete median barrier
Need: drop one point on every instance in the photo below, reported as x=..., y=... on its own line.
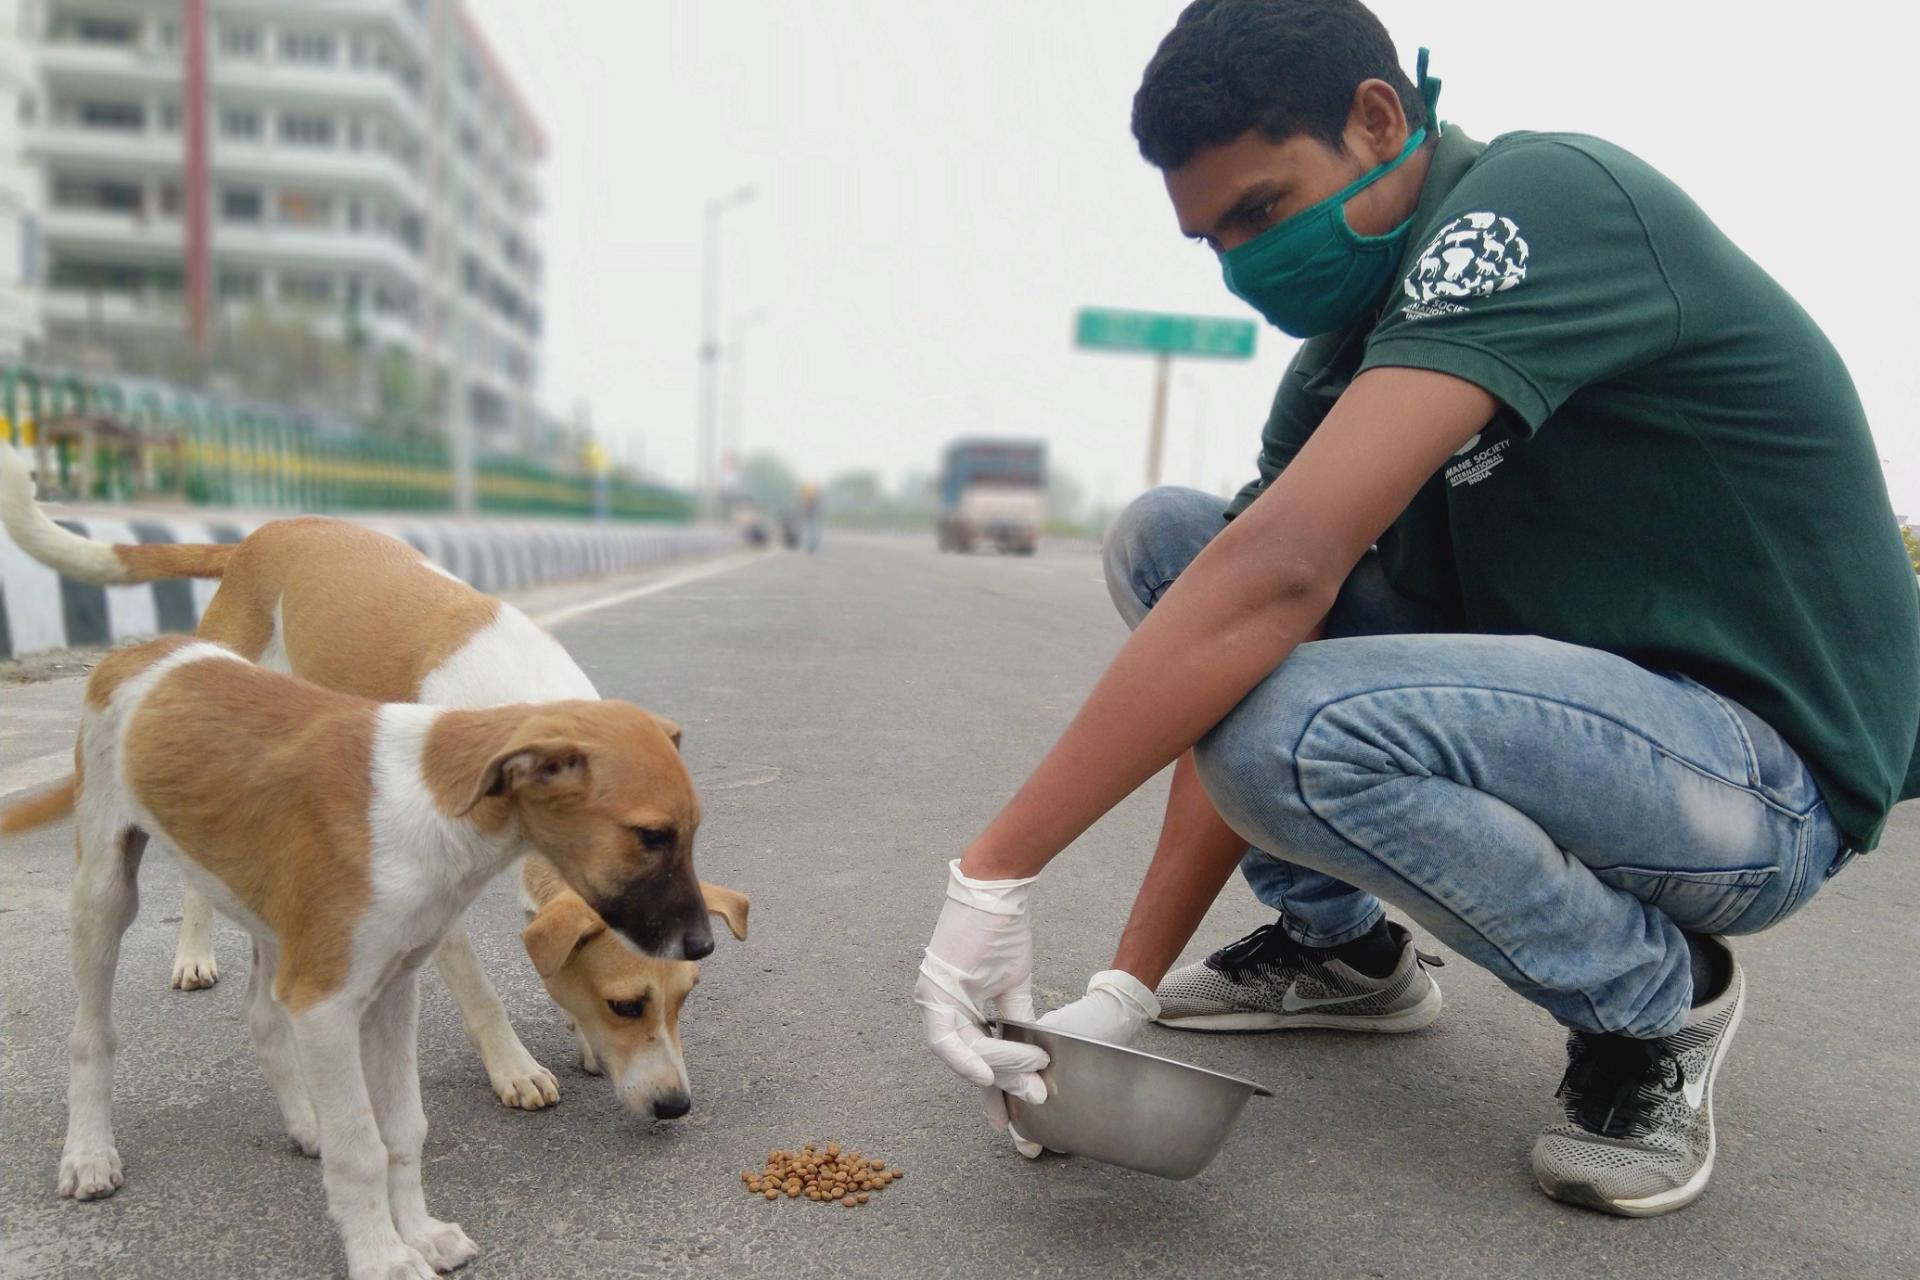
x=40, y=610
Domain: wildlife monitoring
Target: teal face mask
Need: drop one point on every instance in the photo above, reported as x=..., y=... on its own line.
x=1313, y=274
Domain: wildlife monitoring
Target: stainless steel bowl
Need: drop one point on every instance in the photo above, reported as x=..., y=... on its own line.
x=1137, y=1110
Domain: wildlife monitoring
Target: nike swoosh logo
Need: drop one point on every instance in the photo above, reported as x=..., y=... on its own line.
x=1695, y=1092
x=1294, y=1002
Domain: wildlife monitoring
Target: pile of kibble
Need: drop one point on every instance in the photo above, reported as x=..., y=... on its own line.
x=848, y=1176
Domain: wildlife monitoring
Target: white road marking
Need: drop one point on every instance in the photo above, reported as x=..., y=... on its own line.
x=35, y=773
x=559, y=617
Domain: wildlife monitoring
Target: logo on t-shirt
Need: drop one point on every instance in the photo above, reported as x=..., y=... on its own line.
x=1475, y=255
x=1471, y=470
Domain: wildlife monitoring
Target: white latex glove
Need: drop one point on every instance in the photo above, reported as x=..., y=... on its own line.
x=982, y=951
x=1117, y=1005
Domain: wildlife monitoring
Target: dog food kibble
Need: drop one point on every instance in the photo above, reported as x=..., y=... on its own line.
x=821, y=1176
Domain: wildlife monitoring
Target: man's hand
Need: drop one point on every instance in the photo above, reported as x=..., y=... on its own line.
x=981, y=952
x=1117, y=1005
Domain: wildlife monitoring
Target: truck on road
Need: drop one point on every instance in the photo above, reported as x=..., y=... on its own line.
x=992, y=491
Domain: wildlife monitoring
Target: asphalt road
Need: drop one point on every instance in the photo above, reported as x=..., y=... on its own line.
x=852, y=719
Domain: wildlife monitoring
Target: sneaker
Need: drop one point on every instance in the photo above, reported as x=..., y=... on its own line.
x=1268, y=982
x=1639, y=1134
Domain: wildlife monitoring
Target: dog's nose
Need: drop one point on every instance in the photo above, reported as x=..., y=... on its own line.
x=672, y=1107
x=697, y=946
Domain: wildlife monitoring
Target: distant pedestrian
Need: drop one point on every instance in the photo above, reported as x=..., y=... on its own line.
x=808, y=509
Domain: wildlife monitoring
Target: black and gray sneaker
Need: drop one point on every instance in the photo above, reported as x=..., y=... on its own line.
x=1639, y=1137
x=1268, y=982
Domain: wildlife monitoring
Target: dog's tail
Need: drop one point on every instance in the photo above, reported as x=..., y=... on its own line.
x=83, y=559
x=39, y=810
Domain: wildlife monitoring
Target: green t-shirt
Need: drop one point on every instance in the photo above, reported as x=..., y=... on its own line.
x=1680, y=471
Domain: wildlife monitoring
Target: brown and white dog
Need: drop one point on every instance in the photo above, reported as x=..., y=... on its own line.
x=345, y=836
x=357, y=611
x=624, y=1008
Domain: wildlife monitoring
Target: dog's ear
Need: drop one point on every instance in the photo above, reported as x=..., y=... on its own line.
x=669, y=728
x=549, y=767
x=557, y=931
x=729, y=906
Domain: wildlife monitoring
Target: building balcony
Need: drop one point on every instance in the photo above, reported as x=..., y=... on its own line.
x=334, y=168
x=75, y=65
x=125, y=237
x=121, y=236
x=150, y=153
x=102, y=311
x=318, y=86
x=315, y=249
x=124, y=151
x=401, y=20
x=93, y=310
x=73, y=68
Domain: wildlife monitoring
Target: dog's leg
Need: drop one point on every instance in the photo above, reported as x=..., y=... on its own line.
x=517, y=1078
x=105, y=897
x=589, y=1060
x=393, y=1080
x=353, y=1160
x=193, y=965
x=273, y=1043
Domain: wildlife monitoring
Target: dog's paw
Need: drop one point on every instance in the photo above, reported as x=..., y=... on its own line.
x=194, y=972
x=526, y=1085
x=443, y=1244
x=91, y=1175
x=305, y=1136
x=589, y=1061
x=396, y=1262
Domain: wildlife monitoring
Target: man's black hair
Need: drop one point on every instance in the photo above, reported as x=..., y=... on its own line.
x=1284, y=67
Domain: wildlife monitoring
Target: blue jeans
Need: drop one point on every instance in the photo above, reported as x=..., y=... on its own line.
x=1555, y=814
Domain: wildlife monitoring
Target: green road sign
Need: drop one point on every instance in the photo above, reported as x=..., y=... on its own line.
x=1104, y=329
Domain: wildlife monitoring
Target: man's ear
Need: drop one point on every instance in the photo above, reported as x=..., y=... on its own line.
x=557, y=931
x=548, y=765
x=669, y=728
x=729, y=906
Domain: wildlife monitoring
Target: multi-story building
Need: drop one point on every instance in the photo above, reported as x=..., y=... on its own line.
x=19, y=191
x=367, y=166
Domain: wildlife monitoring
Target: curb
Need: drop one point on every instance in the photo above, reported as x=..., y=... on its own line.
x=40, y=610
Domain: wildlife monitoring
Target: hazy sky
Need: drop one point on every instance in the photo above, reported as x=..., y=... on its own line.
x=940, y=185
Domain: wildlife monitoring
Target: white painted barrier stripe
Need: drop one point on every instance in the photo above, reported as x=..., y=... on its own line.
x=491, y=557
x=35, y=617
x=130, y=609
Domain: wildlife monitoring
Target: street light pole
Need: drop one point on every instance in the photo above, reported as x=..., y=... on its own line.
x=706, y=438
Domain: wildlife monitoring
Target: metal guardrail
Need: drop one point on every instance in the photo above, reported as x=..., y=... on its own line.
x=215, y=453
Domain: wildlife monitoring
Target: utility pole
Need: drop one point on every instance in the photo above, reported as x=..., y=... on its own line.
x=707, y=436
x=1199, y=390
x=198, y=180
x=1157, y=433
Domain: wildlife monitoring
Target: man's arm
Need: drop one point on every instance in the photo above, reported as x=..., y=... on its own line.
x=1256, y=592
x=1196, y=854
